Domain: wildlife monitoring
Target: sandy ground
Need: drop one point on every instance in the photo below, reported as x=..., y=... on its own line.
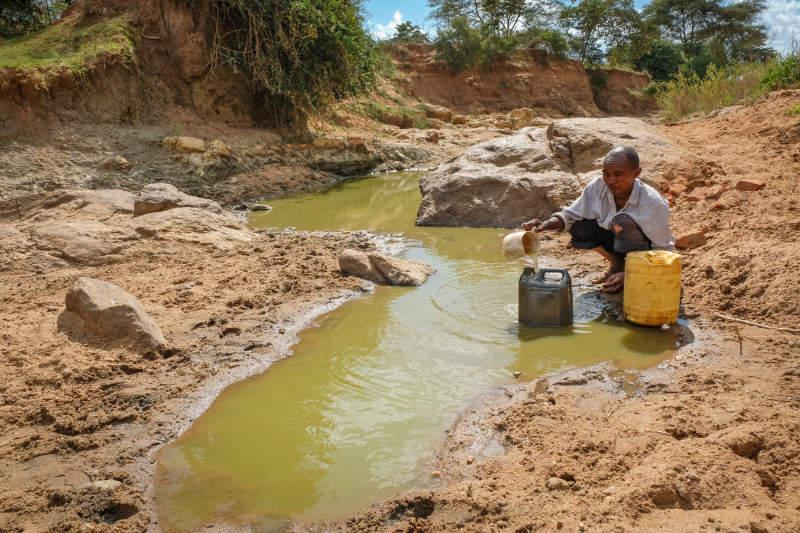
x=709, y=441
x=80, y=419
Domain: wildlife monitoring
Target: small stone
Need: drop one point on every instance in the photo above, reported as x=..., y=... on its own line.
x=691, y=239
x=184, y=144
x=556, y=483
x=470, y=459
x=676, y=189
x=105, y=485
x=750, y=185
x=755, y=527
x=436, y=474
x=459, y=119
x=517, y=373
x=115, y=163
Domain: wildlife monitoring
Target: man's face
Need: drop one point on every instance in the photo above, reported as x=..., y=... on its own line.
x=619, y=175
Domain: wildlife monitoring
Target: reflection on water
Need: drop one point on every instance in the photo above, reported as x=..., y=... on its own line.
x=355, y=415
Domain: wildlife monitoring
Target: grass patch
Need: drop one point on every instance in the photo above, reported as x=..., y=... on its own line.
x=721, y=87
x=793, y=111
x=68, y=46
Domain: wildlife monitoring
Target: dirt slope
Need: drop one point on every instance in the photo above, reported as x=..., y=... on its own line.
x=552, y=87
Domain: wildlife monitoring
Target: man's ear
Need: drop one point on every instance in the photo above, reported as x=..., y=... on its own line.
x=637, y=171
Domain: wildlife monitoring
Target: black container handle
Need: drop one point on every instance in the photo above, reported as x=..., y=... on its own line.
x=563, y=282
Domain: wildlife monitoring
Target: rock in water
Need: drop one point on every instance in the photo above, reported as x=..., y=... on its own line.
x=399, y=271
x=163, y=196
x=383, y=269
x=114, y=314
x=536, y=171
x=355, y=263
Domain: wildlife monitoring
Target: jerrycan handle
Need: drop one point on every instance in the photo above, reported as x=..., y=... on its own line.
x=565, y=280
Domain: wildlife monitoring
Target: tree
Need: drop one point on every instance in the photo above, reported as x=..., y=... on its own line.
x=458, y=45
x=663, y=61
x=594, y=23
x=20, y=17
x=717, y=31
x=406, y=32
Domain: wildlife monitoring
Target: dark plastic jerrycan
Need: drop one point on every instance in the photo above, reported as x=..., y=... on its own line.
x=543, y=302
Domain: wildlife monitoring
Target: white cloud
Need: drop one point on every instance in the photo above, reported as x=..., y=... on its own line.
x=782, y=18
x=385, y=31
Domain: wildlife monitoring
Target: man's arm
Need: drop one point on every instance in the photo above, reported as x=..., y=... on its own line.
x=563, y=220
x=658, y=231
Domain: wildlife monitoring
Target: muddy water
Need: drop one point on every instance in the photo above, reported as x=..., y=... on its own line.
x=355, y=415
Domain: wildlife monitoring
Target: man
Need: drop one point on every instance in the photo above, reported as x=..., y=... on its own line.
x=614, y=215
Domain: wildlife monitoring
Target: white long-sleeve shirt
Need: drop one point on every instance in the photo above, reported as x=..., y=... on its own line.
x=645, y=206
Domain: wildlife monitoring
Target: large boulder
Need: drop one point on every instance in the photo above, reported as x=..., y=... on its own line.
x=192, y=225
x=113, y=314
x=382, y=269
x=536, y=171
x=502, y=182
x=82, y=241
x=163, y=196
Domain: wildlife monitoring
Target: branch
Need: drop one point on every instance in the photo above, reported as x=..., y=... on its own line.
x=757, y=324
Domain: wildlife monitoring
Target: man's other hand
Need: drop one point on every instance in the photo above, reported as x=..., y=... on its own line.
x=551, y=224
x=531, y=225
x=614, y=282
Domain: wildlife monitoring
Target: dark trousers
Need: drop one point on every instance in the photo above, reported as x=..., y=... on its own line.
x=626, y=237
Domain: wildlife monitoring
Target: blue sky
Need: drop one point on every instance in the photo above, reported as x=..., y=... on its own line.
x=782, y=18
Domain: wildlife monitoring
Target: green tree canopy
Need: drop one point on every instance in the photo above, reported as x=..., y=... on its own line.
x=717, y=31
x=19, y=17
x=595, y=23
x=407, y=32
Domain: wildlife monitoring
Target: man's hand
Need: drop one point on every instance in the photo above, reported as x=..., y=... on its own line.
x=614, y=282
x=551, y=224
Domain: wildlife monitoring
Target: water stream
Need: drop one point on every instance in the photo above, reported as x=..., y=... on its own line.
x=357, y=413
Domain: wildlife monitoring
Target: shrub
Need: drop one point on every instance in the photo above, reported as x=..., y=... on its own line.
x=551, y=42
x=300, y=56
x=663, y=61
x=720, y=87
x=458, y=45
x=783, y=73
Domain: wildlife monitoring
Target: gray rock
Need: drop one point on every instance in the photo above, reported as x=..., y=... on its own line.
x=113, y=314
x=383, y=269
x=82, y=241
x=163, y=196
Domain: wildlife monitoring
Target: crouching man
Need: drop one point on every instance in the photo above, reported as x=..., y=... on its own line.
x=614, y=215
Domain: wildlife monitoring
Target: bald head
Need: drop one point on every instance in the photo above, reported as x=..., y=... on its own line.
x=618, y=154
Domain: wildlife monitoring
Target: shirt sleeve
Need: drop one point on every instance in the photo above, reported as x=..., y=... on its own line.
x=658, y=230
x=580, y=208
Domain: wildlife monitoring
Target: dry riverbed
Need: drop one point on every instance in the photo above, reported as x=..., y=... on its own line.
x=81, y=418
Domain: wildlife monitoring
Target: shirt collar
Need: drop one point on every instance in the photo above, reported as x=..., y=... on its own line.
x=633, y=199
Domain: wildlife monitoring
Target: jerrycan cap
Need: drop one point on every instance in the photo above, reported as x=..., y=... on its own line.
x=654, y=257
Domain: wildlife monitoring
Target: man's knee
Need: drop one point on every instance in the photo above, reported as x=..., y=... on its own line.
x=628, y=235
x=584, y=234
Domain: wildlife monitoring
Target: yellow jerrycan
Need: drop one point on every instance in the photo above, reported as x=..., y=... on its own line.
x=652, y=287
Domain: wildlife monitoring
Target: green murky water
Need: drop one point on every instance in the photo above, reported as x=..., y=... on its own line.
x=356, y=414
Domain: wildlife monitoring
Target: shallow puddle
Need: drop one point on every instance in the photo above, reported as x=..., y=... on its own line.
x=357, y=413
